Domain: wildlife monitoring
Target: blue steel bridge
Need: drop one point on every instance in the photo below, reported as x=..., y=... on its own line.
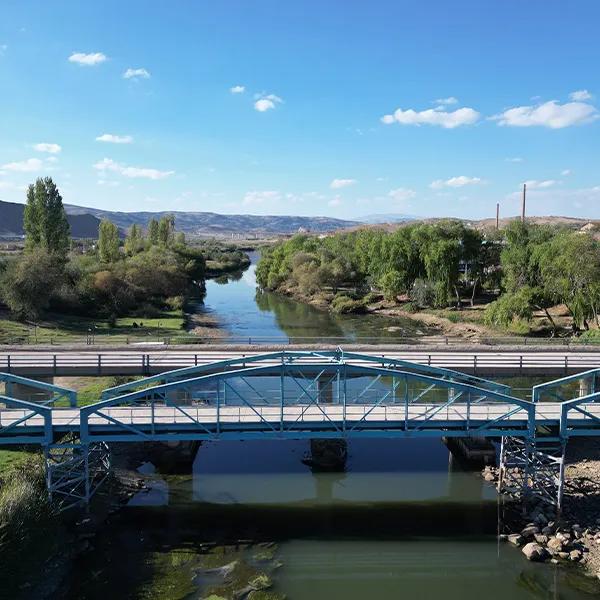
x=302, y=394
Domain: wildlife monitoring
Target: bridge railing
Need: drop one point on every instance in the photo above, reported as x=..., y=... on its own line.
x=23, y=422
x=580, y=416
x=48, y=393
x=299, y=399
x=568, y=388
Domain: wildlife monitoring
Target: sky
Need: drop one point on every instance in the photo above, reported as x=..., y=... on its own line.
x=341, y=108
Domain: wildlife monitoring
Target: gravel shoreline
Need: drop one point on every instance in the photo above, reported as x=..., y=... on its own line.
x=574, y=535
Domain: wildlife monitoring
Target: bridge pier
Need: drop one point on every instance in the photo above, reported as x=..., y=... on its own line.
x=75, y=471
x=532, y=470
x=475, y=451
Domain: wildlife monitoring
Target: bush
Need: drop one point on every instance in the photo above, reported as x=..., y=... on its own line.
x=175, y=302
x=423, y=293
x=343, y=304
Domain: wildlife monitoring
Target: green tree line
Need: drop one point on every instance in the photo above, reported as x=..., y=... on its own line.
x=144, y=273
x=527, y=267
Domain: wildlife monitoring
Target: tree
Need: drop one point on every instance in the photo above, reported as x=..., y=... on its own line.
x=153, y=232
x=134, y=242
x=44, y=218
x=180, y=238
x=108, y=242
x=166, y=230
x=29, y=283
x=392, y=284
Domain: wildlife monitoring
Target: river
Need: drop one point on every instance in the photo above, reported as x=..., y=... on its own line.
x=404, y=519
x=247, y=313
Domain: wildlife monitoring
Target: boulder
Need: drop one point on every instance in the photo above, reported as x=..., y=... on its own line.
x=529, y=531
x=575, y=555
x=555, y=545
x=515, y=539
x=540, y=538
x=534, y=552
x=488, y=476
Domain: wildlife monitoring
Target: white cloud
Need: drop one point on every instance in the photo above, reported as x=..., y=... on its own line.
x=514, y=159
x=87, y=60
x=107, y=164
x=335, y=202
x=446, y=101
x=265, y=102
x=550, y=114
x=566, y=172
x=454, y=182
x=437, y=116
x=114, y=139
x=261, y=197
x=49, y=148
x=402, y=194
x=580, y=96
x=534, y=184
x=136, y=74
x=336, y=184
x=24, y=166
x=237, y=89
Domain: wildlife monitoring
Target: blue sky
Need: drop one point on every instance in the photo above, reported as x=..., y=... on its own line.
x=340, y=108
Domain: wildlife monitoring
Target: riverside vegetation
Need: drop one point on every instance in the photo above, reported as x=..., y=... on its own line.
x=525, y=278
x=131, y=286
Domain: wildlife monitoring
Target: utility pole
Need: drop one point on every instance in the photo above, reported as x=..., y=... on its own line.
x=497, y=216
x=523, y=205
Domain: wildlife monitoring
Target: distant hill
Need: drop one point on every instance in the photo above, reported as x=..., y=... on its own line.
x=11, y=222
x=208, y=223
x=386, y=218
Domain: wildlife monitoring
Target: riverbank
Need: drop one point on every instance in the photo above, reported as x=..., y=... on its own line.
x=574, y=535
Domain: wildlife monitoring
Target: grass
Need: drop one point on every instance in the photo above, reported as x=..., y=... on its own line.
x=57, y=329
x=12, y=460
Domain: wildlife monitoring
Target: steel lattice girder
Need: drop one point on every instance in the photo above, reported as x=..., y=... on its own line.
x=58, y=392
x=552, y=388
x=290, y=357
x=458, y=394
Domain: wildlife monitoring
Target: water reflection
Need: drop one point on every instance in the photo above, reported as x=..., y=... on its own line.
x=246, y=312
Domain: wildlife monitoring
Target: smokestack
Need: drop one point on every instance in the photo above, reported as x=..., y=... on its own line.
x=523, y=205
x=497, y=215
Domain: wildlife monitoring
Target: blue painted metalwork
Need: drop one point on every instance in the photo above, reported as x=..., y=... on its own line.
x=577, y=420
x=58, y=393
x=16, y=431
x=555, y=388
x=310, y=385
x=338, y=355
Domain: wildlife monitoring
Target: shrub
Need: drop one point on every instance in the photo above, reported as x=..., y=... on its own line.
x=343, y=304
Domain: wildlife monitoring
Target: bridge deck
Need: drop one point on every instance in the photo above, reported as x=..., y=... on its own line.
x=114, y=423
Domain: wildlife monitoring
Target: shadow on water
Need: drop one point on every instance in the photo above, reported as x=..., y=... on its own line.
x=403, y=520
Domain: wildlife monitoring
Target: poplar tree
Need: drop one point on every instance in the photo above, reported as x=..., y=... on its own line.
x=108, y=241
x=134, y=242
x=166, y=230
x=44, y=218
x=153, y=232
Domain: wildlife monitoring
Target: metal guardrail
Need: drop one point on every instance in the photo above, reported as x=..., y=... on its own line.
x=145, y=363
x=192, y=339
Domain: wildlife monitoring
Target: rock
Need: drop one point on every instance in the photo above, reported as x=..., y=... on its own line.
x=515, y=539
x=548, y=530
x=541, y=538
x=529, y=531
x=575, y=555
x=563, y=536
x=563, y=555
x=554, y=545
x=488, y=476
x=534, y=552
x=503, y=537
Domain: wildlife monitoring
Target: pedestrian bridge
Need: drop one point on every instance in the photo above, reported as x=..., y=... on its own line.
x=298, y=394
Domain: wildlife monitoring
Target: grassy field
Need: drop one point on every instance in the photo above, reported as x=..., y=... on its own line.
x=64, y=329
x=11, y=460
